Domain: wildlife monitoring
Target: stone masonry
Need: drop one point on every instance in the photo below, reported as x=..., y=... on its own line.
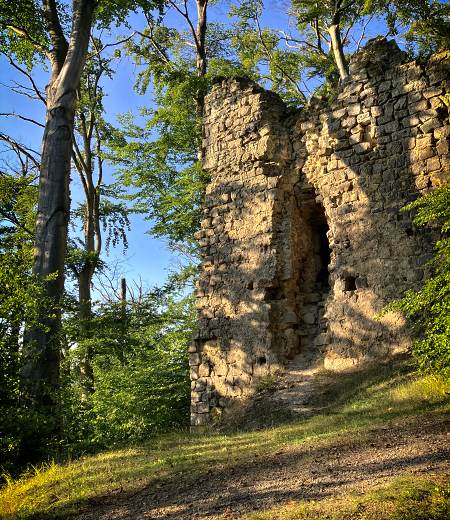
x=302, y=238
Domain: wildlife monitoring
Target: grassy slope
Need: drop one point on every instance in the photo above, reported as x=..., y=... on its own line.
x=357, y=403
x=406, y=498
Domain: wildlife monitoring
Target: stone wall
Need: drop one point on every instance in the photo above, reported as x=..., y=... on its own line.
x=302, y=240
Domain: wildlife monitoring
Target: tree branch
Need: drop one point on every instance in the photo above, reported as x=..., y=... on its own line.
x=185, y=15
x=28, y=152
x=288, y=38
x=23, y=33
x=12, y=114
x=28, y=75
x=270, y=57
x=14, y=220
x=57, y=37
x=157, y=47
x=119, y=42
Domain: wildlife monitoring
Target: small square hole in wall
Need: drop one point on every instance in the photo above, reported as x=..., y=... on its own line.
x=350, y=283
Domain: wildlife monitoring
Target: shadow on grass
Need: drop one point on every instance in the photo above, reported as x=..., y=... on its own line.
x=204, y=474
x=331, y=392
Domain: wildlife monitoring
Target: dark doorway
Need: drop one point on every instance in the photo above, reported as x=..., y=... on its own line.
x=313, y=286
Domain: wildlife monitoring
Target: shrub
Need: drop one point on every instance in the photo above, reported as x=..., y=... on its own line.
x=428, y=309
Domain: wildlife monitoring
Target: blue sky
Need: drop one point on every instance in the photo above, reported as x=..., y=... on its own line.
x=146, y=257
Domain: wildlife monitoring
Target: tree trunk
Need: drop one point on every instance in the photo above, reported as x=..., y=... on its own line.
x=124, y=320
x=40, y=375
x=85, y=277
x=92, y=239
x=338, y=49
x=201, y=62
x=41, y=369
x=202, y=6
x=85, y=316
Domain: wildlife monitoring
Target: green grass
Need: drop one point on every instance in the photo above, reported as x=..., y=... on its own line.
x=407, y=498
x=355, y=404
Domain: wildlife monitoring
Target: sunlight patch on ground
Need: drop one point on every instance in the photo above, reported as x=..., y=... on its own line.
x=63, y=488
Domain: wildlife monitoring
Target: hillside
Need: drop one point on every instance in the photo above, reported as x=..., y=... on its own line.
x=375, y=445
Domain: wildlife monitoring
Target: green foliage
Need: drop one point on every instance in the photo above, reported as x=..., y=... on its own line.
x=426, y=23
x=20, y=299
x=159, y=160
x=147, y=395
x=21, y=304
x=262, y=56
x=23, y=33
x=165, y=191
x=429, y=308
x=139, y=355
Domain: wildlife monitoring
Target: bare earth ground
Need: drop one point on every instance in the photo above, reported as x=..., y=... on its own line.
x=413, y=446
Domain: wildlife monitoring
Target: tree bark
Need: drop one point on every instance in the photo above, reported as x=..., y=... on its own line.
x=92, y=244
x=334, y=31
x=40, y=375
x=123, y=320
x=200, y=33
x=85, y=316
x=201, y=62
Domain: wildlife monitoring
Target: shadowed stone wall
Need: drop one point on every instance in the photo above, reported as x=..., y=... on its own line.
x=302, y=240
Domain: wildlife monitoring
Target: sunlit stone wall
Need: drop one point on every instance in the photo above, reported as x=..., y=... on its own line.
x=302, y=240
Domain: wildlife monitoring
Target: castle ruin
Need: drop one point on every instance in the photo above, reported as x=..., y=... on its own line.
x=302, y=238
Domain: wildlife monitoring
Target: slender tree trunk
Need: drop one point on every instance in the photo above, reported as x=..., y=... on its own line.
x=85, y=281
x=92, y=241
x=338, y=49
x=85, y=316
x=40, y=381
x=124, y=320
x=201, y=61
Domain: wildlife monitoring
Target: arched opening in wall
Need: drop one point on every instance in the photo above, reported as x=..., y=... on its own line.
x=313, y=260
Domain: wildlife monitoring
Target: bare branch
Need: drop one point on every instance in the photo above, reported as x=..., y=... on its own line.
x=185, y=15
x=25, y=150
x=363, y=34
x=157, y=47
x=119, y=42
x=281, y=69
x=27, y=75
x=287, y=38
x=28, y=119
x=14, y=220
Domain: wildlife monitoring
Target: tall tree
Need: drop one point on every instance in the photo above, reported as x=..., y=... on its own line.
x=164, y=167
x=67, y=57
x=30, y=29
x=40, y=29
x=97, y=212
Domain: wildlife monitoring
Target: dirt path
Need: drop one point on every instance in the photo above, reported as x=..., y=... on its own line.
x=296, y=473
x=414, y=445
